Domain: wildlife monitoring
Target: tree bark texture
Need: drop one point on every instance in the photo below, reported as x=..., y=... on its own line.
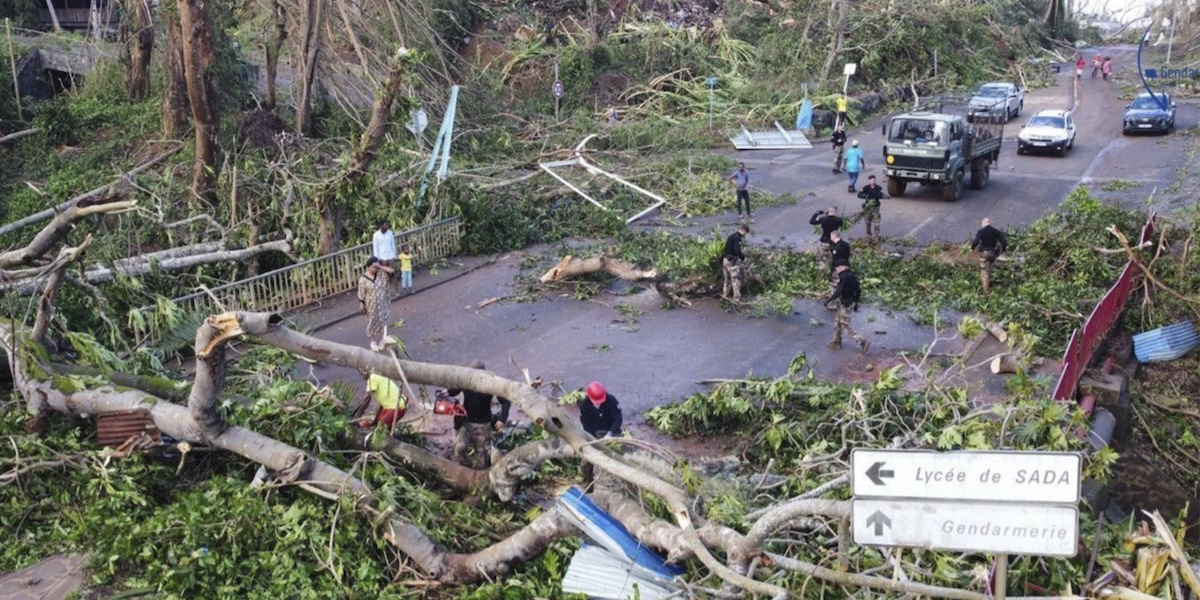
x=571, y=266
x=175, y=107
x=195, y=26
x=312, y=16
x=141, y=50
x=58, y=228
x=273, y=46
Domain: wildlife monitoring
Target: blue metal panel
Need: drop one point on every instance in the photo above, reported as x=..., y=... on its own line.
x=1166, y=343
x=600, y=525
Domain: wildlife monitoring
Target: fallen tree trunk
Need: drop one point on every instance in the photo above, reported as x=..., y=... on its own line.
x=63, y=223
x=575, y=267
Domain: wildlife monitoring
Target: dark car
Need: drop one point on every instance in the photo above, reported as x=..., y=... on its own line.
x=1147, y=113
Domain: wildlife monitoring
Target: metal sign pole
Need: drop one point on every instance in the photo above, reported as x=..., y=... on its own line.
x=1001, y=581
x=557, y=98
x=712, y=86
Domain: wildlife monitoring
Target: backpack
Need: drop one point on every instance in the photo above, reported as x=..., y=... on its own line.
x=853, y=290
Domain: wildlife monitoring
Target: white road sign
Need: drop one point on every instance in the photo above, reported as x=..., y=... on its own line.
x=1029, y=477
x=1030, y=529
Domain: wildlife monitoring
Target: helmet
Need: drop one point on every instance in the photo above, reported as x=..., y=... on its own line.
x=596, y=392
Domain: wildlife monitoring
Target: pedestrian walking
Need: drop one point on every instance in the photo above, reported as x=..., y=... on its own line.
x=1079, y=65
x=386, y=393
x=991, y=243
x=406, y=268
x=741, y=181
x=373, y=301
x=828, y=221
x=839, y=252
x=473, y=431
x=731, y=263
x=1106, y=67
x=855, y=163
x=872, y=195
x=839, y=147
x=1095, y=65
x=600, y=416
x=847, y=295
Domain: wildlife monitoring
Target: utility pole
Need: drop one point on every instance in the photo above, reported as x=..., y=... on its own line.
x=712, y=85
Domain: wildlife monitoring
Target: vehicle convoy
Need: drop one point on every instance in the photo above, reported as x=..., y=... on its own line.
x=996, y=99
x=940, y=149
x=1150, y=113
x=1047, y=131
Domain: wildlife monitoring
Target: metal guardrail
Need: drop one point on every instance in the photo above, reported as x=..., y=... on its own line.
x=307, y=282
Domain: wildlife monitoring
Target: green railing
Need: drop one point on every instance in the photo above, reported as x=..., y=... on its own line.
x=305, y=283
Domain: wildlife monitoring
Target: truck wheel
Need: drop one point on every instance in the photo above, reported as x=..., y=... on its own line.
x=980, y=172
x=896, y=187
x=952, y=189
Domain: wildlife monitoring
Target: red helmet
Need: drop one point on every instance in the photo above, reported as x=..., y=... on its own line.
x=596, y=392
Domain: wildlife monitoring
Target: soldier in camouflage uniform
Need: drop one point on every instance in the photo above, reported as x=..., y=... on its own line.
x=473, y=439
x=991, y=243
x=731, y=263
x=871, y=195
x=847, y=296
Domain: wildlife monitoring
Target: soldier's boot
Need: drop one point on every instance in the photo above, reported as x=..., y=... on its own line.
x=835, y=344
x=865, y=344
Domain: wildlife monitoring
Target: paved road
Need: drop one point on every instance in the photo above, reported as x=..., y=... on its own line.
x=662, y=354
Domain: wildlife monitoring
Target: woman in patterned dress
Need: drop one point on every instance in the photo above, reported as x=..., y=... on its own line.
x=373, y=300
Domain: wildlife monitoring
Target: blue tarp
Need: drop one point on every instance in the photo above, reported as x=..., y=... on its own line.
x=610, y=533
x=804, y=119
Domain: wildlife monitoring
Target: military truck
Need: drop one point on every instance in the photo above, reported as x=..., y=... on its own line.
x=934, y=148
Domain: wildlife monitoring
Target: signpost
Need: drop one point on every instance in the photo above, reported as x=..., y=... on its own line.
x=968, y=526
x=998, y=501
x=848, y=70
x=558, y=91
x=712, y=85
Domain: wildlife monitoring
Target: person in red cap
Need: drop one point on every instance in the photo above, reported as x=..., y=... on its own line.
x=599, y=412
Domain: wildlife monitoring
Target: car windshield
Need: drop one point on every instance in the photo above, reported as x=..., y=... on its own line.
x=991, y=91
x=1147, y=103
x=1047, y=121
x=917, y=131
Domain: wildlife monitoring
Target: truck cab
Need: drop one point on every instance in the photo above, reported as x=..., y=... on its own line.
x=936, y=148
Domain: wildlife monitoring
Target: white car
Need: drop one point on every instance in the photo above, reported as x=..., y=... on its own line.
x=1047, y=131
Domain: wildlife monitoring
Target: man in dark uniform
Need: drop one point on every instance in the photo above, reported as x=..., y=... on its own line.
x=847, y=295
x=991, y=243
x=871, y=195
x=731, y=263
x=600, y=416
x=473, y=432
x=839, y=147
x=828, y=222
x=839, y=253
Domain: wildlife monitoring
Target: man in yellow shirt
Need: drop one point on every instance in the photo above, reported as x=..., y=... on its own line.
x=406, y=258
x=392, y=404
x=841, y=111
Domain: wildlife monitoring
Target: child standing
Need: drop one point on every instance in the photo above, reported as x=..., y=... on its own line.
x=406, y=258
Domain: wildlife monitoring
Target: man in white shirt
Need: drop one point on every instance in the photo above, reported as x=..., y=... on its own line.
x=383, y=244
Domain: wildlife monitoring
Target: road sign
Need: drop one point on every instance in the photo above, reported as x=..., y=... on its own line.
x=1028, y=477
x=849, y=69
x=558, y=89
x=1033, y=529
x=712, y=82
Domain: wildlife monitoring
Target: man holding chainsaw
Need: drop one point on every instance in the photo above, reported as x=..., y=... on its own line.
x=473, y=430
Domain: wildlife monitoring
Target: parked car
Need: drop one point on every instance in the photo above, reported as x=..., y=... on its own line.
x=1148, y=113
x=996, y=100
x=1048, y=131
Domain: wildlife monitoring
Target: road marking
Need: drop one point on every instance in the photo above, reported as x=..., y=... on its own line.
x=919, y=227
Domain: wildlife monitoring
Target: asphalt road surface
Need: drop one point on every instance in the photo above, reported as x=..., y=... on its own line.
x=647, y=355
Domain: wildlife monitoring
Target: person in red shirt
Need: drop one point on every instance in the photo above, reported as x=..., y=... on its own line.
x=1079, y=65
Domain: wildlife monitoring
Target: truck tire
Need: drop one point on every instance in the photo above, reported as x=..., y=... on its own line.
x=980, y=172
x=896, y=187
x=951, y=190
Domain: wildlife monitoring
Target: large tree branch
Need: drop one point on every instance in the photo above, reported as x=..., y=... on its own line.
x=62, y=224
x=574, y=267
x=46, y=305
x=100, y=192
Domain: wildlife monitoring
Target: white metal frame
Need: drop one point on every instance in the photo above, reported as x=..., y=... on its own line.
x=579, y=161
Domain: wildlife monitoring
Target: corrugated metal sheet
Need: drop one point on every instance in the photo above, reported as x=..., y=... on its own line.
x=773, y=139
x=602, y=575
x=115, y=428
x=611, y=534
x=1166, y=343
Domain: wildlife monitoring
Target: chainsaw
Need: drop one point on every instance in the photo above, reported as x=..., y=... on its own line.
x=445, y=405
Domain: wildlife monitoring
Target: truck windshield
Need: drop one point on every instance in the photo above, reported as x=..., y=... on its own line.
x=917, y=131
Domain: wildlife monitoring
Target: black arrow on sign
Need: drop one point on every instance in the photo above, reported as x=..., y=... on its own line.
x=879, y=521
x=877, y=476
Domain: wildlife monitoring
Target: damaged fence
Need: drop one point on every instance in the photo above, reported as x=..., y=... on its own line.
x=313, y=280
x=1087, y=339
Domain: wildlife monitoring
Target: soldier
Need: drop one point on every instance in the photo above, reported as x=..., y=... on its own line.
x=473, y=432
x=731, y=263
x=839, y=253
x=839, y=147
x=871, y=195
x=847, y=294
x=991, y=243
x=829, y=222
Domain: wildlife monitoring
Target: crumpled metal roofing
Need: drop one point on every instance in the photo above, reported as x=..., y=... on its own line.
x=1165, y=343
